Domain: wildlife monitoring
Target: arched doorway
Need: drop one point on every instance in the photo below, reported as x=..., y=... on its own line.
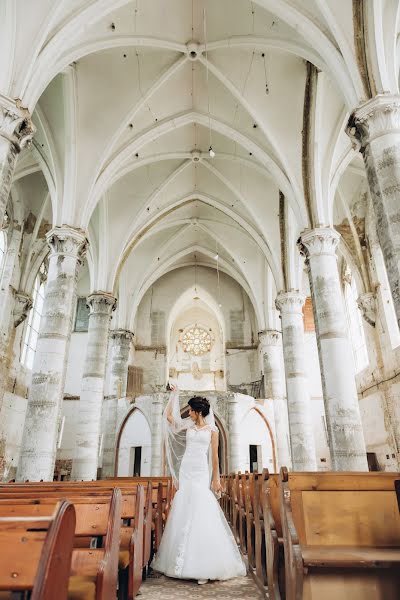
x=253, y=441
x=133, y=447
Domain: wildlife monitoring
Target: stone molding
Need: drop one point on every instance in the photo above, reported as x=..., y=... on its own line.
x=22, y=305
x=67, y=241
x=15, y=123
x=101, y=303
x=123, y=334
x=270, y=337
x=366, y=302
x=375, y=117
x=291, y=302
x=318, y=241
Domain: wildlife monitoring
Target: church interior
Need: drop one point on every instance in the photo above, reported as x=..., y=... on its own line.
x=204, y=193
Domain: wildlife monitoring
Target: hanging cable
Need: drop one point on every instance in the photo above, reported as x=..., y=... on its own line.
x=210, y=150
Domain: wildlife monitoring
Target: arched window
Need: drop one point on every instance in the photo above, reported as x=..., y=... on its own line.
x=355, y=323
x=33, y=321
x=3, y=248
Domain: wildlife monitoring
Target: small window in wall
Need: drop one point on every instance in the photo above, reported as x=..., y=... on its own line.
x=255, y=458
x=3, y=248
x=355, y=323
x=137, y=460
x=33, y=321
x=237, y=330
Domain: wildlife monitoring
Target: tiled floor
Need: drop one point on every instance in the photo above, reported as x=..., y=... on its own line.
x=164, y=588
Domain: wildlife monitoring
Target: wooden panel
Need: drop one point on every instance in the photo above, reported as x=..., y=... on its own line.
x=86, y=562
x=347, y=518
x=15, y=546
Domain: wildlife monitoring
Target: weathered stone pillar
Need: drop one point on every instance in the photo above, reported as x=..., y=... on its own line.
x=272, y=356
x=156, y=435
x=39, y=439
x=16, y=132
x=302, y=441
x=233, y=423
x=346, y=438
x=120, y=346
x=84, y=467
x=375, y=129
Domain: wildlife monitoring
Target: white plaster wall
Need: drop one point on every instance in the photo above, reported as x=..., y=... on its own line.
x=375, y=431
x=242, y=367
x=70, y=410
x=136, y=433
x=153, y=363
x=76, y=359
x=12, y=419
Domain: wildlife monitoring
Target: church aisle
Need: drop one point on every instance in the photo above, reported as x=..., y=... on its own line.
x=240, y=588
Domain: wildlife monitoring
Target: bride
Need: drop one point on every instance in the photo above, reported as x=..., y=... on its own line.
x=197, y=542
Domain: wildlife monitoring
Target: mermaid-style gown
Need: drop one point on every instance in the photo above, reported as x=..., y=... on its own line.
x=197, y=542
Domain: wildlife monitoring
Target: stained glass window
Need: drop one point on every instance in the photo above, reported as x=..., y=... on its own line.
x=196, y=341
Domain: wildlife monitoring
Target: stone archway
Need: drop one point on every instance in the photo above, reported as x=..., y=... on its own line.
x=270, y=433
x=120, y=432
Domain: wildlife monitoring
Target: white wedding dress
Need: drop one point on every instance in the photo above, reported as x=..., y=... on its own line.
x=197, y=542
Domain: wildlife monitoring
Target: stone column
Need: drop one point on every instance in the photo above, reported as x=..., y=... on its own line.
x=272, y=356
x=233, y=423
x=39, y=440
x=346, y=439
x=156, y=435
x=374, y=128
x=120, y=346
x=302, y=441
x=16, y=132
x=84, y=467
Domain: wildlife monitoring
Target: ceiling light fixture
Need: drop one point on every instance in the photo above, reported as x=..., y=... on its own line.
x=211, y=152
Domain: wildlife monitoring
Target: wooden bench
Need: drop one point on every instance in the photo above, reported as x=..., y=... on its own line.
x=94, y=570
x=36, y=551
x=341, y=535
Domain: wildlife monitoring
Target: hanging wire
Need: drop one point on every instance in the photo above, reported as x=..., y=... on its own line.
x=265, y=73
x=207, y=81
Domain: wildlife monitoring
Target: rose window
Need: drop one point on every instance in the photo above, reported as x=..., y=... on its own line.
x=196, y=341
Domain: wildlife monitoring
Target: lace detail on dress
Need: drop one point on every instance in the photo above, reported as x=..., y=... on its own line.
x=180, y=553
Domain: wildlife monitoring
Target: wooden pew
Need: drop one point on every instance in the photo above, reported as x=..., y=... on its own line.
x=128, y=487
x=341, y=535
x=36, y=551
x=94, y=570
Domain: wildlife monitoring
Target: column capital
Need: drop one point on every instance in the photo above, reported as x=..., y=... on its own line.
x=122, y=334
x=379, y=115
x=101, y=303
x=366, y=302
x=270, y=337
x=67, y=241
x=15, y=123
x=23, y=304
x=291, y=302
x=321, y=240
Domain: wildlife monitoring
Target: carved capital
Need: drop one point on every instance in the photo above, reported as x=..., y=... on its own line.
x=366, y=302
x=15, y=123
x=270, y=337
x=67, y=241
x=22, y=305
x=290, y=302
x=318, y=241
x=377, y=116
x=101, y=303
x=122, y=334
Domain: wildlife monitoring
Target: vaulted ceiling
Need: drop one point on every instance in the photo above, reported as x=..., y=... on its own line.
x=129, y=95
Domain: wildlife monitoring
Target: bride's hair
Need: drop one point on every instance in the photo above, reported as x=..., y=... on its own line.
x=200, y=405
